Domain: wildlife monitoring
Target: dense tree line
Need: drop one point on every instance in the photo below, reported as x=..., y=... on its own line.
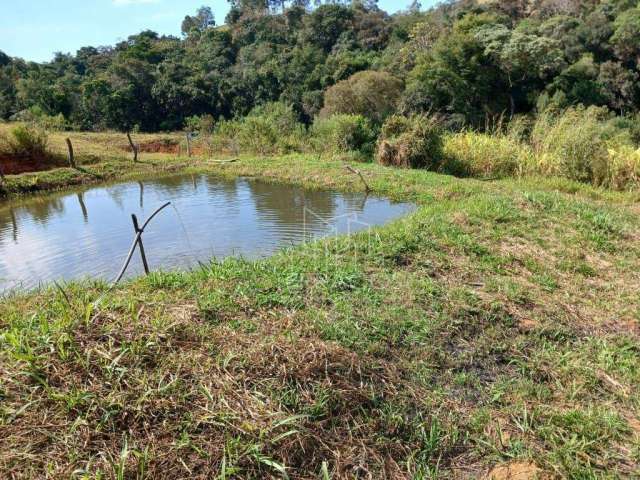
x=468, y=61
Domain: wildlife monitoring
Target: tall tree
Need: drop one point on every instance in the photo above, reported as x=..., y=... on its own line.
x=202, y=20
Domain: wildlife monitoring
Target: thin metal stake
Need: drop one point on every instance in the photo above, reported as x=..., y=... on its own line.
x=134, y=244
x=359, y=173
x=139, y=233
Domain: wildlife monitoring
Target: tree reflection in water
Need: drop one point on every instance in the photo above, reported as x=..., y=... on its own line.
x=86, y=233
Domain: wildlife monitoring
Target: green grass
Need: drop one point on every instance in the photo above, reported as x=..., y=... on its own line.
x=100, y=158
x=498, y=324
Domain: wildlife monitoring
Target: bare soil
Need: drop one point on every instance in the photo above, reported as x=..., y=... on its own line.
x=14, y=165
x=157, y=146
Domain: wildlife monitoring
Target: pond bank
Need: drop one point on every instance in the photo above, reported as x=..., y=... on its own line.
x=485, y=330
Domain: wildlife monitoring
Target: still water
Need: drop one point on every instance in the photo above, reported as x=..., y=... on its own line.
x=87, y=234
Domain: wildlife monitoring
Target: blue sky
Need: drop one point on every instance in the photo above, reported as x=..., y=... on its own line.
x=34, y=29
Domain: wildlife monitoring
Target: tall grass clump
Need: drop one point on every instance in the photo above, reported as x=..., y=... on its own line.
x=26, y=141
x=272, y=128
x=588, y=145
x=474, y=154
x=575, y=144
x=623, y=172
x=344, y=134
x=411, y=142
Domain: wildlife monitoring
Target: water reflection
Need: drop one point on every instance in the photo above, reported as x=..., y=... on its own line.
x=87, y=233
x=141, y=185
x=83, y=207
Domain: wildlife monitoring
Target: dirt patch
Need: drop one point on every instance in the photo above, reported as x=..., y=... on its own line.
x=14, y=165
x=516, y=471
x=634, y=424
x=165, y=145
x=527, y=324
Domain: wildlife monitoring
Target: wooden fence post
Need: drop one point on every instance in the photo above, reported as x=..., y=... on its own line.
x=189, y=144
x=134, y=147
x=142, y=254
x=72, y=162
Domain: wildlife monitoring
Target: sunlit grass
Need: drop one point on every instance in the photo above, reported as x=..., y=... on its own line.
x=496, y=324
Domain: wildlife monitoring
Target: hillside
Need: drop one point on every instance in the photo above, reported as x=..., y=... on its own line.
x=467, y=61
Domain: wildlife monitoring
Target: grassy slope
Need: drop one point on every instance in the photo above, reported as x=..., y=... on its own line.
x=496, y=325
x=100, y=158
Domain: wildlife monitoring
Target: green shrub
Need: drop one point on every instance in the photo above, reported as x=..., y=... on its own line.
x=203, y=124
x=27, y=140
x=269, y=129
x=630, y=124
x=374, y=95
x=36, y=116
x=225, y=137
x=411, y=142
x=272, y=128
x=343, y=133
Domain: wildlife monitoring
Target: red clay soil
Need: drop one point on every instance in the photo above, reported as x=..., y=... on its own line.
x=157, y=146
x=14, y=165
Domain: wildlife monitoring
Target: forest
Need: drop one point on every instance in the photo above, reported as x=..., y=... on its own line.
x=467, y=61
x=470, y=88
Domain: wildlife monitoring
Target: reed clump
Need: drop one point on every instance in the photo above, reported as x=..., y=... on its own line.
x=474, y=154
x=587, y=145
x=578, y=144
x=411, y=142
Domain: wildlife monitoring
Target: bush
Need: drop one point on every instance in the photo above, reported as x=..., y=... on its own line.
x=203, y=124
x=374, y=95
x=26, y=141
x=482, y=155
x=411, y=142
x=36, y=116
x=225, y=137
x=344, y=134
x=269, y=129
x=575, y=144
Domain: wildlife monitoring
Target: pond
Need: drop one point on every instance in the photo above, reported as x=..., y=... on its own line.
x=87, y=233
